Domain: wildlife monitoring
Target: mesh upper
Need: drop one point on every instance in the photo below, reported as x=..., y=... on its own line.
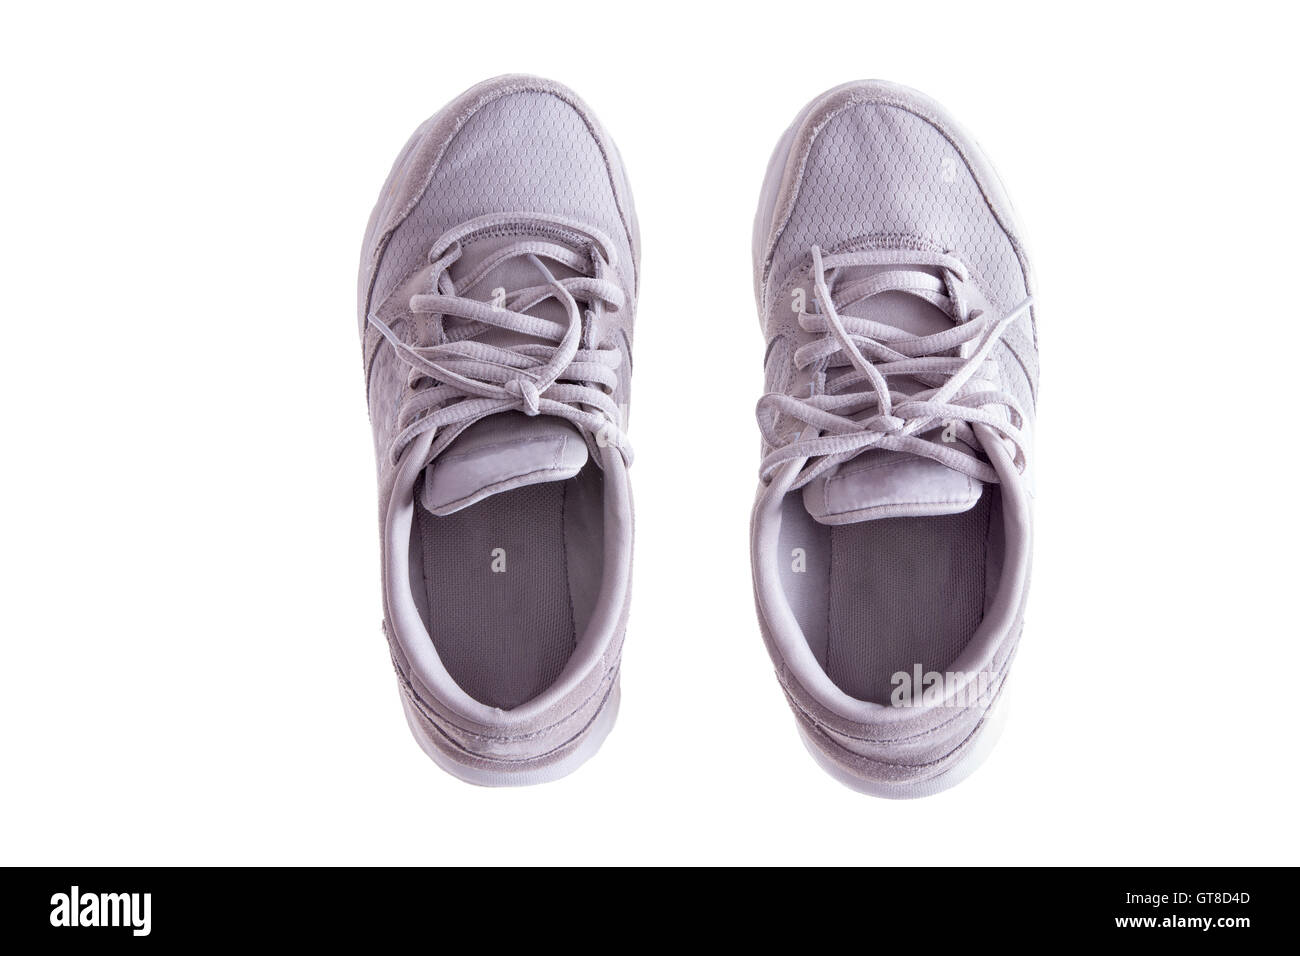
x=884, y=173
x=524, y=152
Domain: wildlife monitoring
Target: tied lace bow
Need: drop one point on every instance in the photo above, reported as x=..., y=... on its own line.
x=454, y=379
x=840, y=418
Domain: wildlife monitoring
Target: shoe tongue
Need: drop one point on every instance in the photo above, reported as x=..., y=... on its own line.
x=888, y=484
x=498, y=453
x=509, y=276
x=511, y=449
x=883, y=483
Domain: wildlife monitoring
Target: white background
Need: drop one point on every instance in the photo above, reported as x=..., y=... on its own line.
x=193, y=669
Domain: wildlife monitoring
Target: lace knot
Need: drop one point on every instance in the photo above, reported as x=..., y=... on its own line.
x=914, y=383
x=888, y=424
x=456, y=377
x=524, y=390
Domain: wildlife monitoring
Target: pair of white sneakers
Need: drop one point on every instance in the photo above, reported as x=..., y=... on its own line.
x=891, y=533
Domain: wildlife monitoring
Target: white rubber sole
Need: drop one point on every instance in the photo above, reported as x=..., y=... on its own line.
x=989, y=732
x=596, y=733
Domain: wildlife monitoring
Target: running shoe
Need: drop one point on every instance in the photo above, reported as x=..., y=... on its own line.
x=497, y=290
x=891, y=534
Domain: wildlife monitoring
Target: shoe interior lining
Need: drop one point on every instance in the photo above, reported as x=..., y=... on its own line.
x=506, y=586
x=879, y=597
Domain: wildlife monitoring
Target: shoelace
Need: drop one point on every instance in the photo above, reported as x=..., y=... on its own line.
x=840, y=421
x=456, y=380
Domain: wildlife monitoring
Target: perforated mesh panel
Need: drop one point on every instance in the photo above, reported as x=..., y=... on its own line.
x=880, y=169
x=527, y=152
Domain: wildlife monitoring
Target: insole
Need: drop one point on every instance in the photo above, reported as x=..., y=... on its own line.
x=496, y=579
x=903, y=591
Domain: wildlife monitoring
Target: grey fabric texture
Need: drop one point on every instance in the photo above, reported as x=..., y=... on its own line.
x=879, y=170
x=506, y=678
